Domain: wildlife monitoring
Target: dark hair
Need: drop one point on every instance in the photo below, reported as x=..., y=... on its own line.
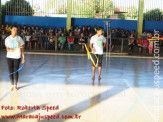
x=99, y=28
x=14, y=26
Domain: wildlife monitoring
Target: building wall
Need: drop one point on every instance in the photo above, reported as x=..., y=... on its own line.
x=55, y=22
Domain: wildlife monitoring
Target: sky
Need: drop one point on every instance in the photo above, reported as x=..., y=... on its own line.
x=148, y=4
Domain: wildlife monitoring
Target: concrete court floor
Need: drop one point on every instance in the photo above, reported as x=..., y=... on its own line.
x=125, y=93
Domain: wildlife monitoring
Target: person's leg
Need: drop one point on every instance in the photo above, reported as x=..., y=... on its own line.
x=62, y=45
x=93, y=72
x=93, y=67
x=99, y=72
x=69, y=46
x=16, y=75
x=11, y=70
x=129, y=48
x=100, y=57
x=41, y=45
x=139, y=49
x=132, y=46
x=82, y=47
x=144, y=49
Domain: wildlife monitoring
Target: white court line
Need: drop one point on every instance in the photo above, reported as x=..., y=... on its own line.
x=75, y=54
x=140, y=100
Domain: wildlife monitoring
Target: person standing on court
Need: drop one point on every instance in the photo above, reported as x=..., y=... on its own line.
x=97, y=44
x=14, y=46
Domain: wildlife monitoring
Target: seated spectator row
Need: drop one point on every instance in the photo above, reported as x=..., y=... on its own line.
x=40, y=38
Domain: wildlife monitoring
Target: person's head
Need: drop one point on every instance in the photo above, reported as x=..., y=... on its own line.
x=122, y=31
x=132, y=35
x=113, y=30
x=28, y=28
x=14, y=31
x=33, y=33
x=62, y=34
x=89, y=28
x=71, y=27
x=82, y=35
x=24, y=27
x=51, y=34
x=90, y=35
x=83, y=28
x=70, y=34
x=140, y=37
x=99, y=31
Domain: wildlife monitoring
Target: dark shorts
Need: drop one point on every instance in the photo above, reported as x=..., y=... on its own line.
x=100, y=57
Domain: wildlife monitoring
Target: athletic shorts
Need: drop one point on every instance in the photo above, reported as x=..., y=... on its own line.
x=100, y=57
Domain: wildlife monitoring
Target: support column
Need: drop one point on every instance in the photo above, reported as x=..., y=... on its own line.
x=140, y=17
x=69, y=11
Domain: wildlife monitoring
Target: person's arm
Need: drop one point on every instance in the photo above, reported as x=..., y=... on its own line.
x=23, y=55
x=91, y=46
x=9, y=49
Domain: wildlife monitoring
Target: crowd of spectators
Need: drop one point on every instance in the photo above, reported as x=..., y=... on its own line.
x=39, y=38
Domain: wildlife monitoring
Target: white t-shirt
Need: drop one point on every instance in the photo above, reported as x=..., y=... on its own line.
x=98, y=43
x=14, y=43
x=27, y=38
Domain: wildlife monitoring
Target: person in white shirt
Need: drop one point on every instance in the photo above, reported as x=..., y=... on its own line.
x=97, y=44
x=14, y=53
x=27, y=41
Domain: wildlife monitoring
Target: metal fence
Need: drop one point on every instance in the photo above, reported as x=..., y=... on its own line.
x=112, y=9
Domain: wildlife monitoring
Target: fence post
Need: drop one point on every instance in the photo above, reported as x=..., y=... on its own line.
x=56, y=43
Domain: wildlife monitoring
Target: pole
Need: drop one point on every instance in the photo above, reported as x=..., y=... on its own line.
x=108, y=24
x=108, y=27
x=69, y=11
x=140, y=17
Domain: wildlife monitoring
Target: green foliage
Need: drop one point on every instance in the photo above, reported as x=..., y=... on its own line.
x=85, y=8
x=106, y=8
x=132, y=13
x=154, y=15
x=122, y=16
x=17, y=7
x=56, y=7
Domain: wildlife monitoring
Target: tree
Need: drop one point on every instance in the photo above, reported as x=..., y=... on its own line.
x=106, y=8
x=17, y=7
x=84, y=8
x=56, y=7
x=132, y=13
x=154, y=15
